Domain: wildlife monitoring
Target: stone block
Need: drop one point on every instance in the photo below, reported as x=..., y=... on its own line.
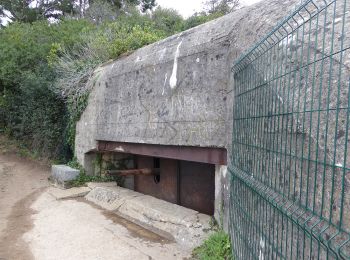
x=61, y=175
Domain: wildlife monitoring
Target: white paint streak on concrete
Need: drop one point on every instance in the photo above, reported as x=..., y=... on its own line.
x=194, y=75
x=224, y=171
x=165, y=79
x=288, y=40
x=279, y=98
x=162, y=54
x=262, y=246
x=173, y=78
x=120, y=149
x=337, y=20
x=338, y=165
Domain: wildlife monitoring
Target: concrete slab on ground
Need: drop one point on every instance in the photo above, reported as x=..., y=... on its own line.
x=60, y=194
x=186, y=226
x=93, y=185
x=111, y=198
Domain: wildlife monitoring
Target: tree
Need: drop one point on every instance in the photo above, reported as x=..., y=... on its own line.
x=198, y=19
x=167, y=20
x=213, y=9
x=34, y=10
x=100, y=11
x=120, y=4
x=147, y=5
x=221, y=6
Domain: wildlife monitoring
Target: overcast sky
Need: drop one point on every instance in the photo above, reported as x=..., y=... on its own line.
x=188, y=7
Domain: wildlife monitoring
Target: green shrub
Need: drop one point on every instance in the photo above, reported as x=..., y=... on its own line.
x=167, y=20
x=30, y=109
x=216, y=247
x=75, y=66
x=128, y=39
x=199, y=18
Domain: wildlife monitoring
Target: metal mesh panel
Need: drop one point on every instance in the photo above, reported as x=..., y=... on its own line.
x=290, y=186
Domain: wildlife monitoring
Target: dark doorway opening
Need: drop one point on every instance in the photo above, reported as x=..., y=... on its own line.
x=189, y=184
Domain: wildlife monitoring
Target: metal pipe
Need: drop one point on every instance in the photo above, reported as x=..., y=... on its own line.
x=145, y=171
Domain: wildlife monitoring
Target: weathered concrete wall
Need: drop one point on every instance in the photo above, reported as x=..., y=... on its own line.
x=177, y=91
x=86, y=129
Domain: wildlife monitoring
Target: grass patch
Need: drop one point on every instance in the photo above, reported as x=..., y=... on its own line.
x=216, y=247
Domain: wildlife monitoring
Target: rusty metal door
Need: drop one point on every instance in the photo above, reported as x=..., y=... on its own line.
x=189, y=184
x=197, y=186
x=166, y=188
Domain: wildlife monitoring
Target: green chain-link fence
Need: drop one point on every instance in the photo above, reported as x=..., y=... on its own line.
x=290, y=187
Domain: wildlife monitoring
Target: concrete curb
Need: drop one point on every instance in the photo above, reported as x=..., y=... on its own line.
x=185, y=226
x=60, y=194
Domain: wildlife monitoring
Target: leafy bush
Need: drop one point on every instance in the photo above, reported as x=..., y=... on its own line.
x=167, y=20
x=216, y=247
x=199, y=18
x=75, y=65
x=30, y=110
x=127, y=39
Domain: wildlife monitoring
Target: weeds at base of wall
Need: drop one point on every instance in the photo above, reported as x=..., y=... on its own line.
x=83, y=178
x=216, y=247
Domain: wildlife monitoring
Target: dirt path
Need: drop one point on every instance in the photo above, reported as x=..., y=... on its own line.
x=21, y=182
x=34, y=225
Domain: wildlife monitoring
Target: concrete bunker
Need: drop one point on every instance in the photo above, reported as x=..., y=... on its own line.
x=169, y=105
